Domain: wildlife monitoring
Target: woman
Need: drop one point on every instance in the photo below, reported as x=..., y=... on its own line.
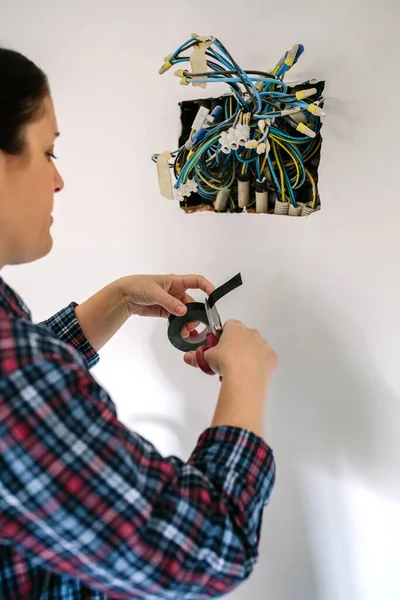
x=88, y=508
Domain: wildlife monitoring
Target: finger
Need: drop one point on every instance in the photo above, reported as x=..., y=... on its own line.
x=187, y=330
x=187, y=298
x=198, y=282
x=190, y=359
x=171, y=304
x=189, y=327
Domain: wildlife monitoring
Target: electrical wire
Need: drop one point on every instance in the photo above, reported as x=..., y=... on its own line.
x=262, y=127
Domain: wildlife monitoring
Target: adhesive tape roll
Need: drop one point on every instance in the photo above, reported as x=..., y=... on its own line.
x=196, y=312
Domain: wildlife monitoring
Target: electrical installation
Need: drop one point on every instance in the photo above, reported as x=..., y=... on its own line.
x=254, y=149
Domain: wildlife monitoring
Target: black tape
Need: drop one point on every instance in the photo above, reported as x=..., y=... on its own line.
x=196, y=311
x=222, y=290
x=261, y=186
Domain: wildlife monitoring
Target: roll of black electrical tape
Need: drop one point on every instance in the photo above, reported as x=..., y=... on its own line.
x=196, y=311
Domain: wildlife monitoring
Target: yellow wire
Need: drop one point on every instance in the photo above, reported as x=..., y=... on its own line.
x=308, y=156
x=280, y=171
x=264, y=163
x=275, y=69
x=215, y=187
x=193, y=156
x=294, y=161
x=230, y=106
x=314, y=188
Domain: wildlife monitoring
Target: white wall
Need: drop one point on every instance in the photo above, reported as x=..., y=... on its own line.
x=325, y=290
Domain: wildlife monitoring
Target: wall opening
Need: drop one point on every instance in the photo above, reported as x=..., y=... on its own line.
x=246, y=180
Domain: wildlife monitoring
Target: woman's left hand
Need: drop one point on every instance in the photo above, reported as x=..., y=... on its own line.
x=162, y=295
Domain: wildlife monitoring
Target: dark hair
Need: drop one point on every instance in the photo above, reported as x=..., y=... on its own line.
x=23, y=86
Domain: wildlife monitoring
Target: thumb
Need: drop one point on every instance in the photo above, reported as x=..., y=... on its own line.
x=190, y=359
x=171, y=304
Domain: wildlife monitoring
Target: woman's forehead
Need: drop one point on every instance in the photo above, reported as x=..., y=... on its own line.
x=47, y=123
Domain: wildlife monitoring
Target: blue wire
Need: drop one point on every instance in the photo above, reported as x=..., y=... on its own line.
x=210, y=151
x=259, y=176
x=280, y=133
x=274, y=177
x=245, y=160
x=182, y=48
x=216, y=55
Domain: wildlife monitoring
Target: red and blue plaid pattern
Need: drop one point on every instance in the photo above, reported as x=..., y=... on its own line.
x=90, y=509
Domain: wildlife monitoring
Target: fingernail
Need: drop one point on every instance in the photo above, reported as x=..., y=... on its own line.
x=181, y=309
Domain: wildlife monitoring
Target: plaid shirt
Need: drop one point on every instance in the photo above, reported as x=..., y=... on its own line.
x=90, y=509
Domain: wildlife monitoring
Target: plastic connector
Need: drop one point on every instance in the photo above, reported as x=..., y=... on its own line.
x=301, y=94
x=198, y=136
x=215, y=115
x=166, y=66
x=316, y=110
x=290, y=111
x=306, y=130
x=261, y=148
x=185, y=189
x=291, y=55
x=251, y=144
x=181, y=73
x=242, y=134
x=261, y=125
x=200, y=118
x=229, y=140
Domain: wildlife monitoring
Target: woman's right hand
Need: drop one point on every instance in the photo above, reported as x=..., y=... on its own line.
x=240, y=350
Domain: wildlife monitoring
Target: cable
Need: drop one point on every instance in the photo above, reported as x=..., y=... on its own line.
x=314, y=188
x=261, y=130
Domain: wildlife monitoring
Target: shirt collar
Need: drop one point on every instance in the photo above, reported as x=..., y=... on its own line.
x=12, y=303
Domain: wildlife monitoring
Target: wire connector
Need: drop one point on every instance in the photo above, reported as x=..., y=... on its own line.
x=316, y=110
x=261, y=125
x=261, y=148
x=166, y=66
x=229, y=140
x=185, y=189
x=306, y=130
x=251, y=144
x=290, y=111
x=200, y=118
x=291, y=55
x=242, y=134
x=301, y=94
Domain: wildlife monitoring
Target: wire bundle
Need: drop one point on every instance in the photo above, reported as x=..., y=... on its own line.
x=263, y=133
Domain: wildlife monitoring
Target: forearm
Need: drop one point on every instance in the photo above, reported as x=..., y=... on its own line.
x=241, y=402
x=103, y=314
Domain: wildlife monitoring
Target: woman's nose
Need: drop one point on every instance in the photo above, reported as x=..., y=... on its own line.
x=58, y=182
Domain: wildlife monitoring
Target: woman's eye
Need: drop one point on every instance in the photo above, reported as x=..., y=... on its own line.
x=51, y=155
